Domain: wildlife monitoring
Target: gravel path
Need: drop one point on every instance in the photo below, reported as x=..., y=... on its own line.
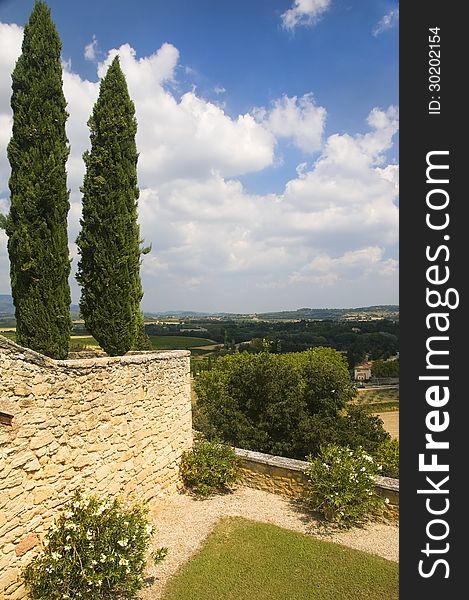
x=183, y=524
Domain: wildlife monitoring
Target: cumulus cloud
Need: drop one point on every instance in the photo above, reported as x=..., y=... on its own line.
x=298, y=119
x=361, y=263
x=390, y=20
x=304, y=12
x=216, y=246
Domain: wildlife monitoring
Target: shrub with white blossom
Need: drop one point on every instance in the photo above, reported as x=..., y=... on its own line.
x=342, y=485
x=96, y=549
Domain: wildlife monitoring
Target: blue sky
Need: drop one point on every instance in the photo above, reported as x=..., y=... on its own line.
x=268, y=139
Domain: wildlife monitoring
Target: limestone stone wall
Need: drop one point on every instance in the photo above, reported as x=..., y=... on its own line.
x=108, y=425
x=287, y=476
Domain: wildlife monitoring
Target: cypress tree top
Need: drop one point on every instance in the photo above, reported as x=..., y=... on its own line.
x=37, y=222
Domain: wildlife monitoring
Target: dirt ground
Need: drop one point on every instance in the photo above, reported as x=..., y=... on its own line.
x=390, y=422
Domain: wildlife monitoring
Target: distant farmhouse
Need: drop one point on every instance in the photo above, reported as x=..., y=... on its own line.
x=362, y=372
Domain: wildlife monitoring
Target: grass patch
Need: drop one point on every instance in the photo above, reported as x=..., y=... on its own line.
x=245, y=560
x=177, y=342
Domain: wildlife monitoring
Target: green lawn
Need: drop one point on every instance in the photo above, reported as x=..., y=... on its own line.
x=244, y=560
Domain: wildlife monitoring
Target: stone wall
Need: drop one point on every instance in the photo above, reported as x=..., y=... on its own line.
x=108, y=425
x=286, y=476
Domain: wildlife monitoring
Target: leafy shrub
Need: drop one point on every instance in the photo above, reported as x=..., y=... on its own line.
x=387, y=456
x=209, y=467
x=341, y=485
x=96, y=550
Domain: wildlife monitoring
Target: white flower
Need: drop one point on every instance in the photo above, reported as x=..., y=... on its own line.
x=69, y=514
x=76, y=504
x=56, y=555
x=71, y=526
x=67, y=547
x=89, y=535
x=386, y=500
x=123, y=561
x=102, y=557
x=149, y=529
x=123, y=543
x=46, y=542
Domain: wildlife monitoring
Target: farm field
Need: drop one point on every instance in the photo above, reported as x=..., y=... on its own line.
x=178, y=342
x=383, y=403
x=390, y=422
x=159, y=342
x=382, y=400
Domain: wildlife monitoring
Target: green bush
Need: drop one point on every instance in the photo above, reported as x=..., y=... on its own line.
x=341, y=485
x=387, y=456
x=96, y=550
x=209, y=467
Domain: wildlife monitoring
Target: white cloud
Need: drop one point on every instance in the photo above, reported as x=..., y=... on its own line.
x=216, y=246
x=365, y=263
x=390, y=20
x=298, y=119
x=304, y=12
x=91, y=50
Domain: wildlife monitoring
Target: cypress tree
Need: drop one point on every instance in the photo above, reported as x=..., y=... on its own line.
x=37, y=223
x=109, y=244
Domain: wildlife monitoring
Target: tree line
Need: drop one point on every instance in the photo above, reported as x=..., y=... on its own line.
x=109, y=242
x=379, y=340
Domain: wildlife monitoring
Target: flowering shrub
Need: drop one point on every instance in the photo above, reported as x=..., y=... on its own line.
x=209, y=467
x=341, y=485
x=387, y=456
x=96, y=550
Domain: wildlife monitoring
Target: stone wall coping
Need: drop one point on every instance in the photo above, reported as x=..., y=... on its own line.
x=271, y=460
x=386, y=483
x=85, y=363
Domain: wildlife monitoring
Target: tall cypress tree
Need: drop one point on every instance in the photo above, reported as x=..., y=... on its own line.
x=37, y=223
x=109, y=244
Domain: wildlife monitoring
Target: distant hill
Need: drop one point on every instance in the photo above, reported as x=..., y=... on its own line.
x=387, y=311
x=7, y=308
x=6, y=305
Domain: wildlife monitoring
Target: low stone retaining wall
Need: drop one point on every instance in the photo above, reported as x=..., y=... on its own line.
x=287, y=476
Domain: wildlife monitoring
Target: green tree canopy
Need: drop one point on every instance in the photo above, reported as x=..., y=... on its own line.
x=385, y=368
x=288, y=404
x=109, y=242
x=37, y=223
